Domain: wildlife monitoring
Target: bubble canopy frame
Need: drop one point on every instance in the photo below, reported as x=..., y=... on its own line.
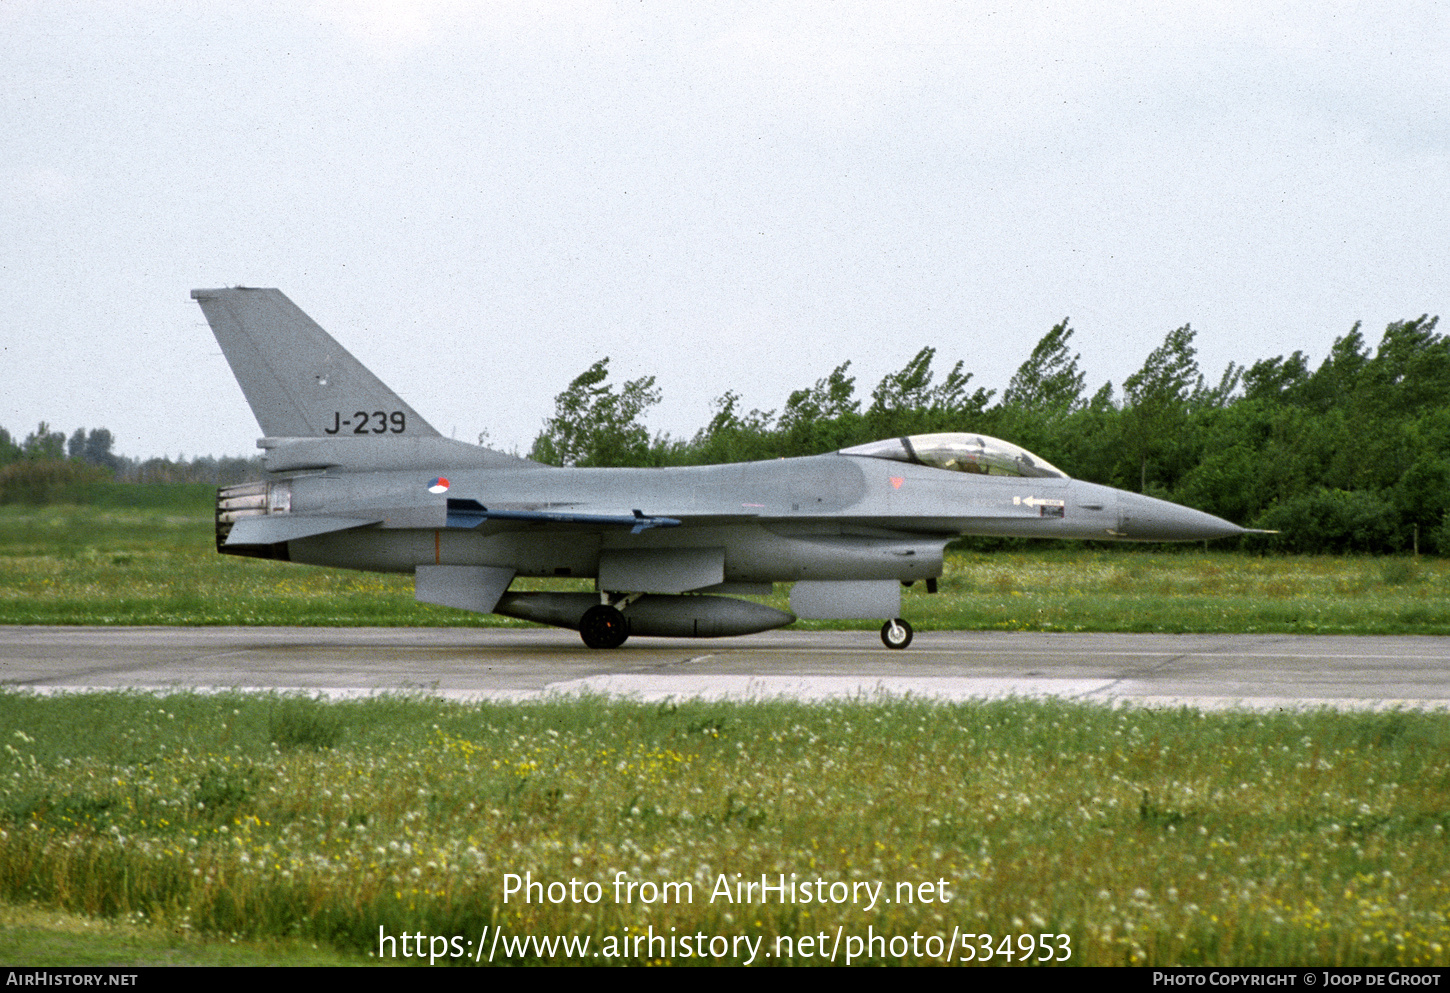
x=978, y=454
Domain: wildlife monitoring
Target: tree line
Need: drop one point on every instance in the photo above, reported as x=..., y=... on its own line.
x=46, y=464
x=1350, y=456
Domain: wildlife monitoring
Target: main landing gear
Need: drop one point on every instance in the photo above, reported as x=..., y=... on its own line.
x=896, y=633
x=603, y=626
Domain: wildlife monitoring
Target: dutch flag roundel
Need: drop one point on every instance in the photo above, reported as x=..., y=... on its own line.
x=438, y=485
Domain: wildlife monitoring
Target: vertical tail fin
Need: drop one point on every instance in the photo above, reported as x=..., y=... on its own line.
x=299, y=382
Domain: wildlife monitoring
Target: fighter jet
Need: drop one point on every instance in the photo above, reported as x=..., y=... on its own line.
x=358, y=480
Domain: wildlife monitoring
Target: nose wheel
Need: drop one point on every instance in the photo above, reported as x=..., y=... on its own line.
x=896, y=633
x=603, y=626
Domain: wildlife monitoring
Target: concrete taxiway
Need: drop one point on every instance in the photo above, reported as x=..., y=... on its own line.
x=1209, y=671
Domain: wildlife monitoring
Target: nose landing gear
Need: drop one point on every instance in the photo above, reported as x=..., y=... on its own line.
x=896, y=633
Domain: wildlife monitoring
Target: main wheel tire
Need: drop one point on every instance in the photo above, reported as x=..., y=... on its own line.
x=603, y=627
x=896, y=634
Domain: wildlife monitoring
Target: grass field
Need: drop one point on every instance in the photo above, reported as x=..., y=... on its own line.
x=32, y=935
x=157, y=564
x=235, y=829
x=1315, y=838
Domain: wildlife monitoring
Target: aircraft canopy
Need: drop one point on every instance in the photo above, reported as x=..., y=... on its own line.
x=975, y=453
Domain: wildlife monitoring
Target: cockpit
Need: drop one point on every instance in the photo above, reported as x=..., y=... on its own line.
x=974, y=453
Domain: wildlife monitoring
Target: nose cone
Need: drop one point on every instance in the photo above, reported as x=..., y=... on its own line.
x=1144, y=518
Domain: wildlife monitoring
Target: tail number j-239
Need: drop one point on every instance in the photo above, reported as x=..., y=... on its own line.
x=381, y=420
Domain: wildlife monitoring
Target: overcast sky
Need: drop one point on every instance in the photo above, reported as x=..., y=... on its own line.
x=479, y=200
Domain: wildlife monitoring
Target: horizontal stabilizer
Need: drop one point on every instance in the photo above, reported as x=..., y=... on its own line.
x=271, y=529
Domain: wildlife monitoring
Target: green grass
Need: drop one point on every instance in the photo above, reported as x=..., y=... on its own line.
x=234, y=829
x=146, y=555
x=1188, y=591
x=1146, y=837
x=37, y=937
